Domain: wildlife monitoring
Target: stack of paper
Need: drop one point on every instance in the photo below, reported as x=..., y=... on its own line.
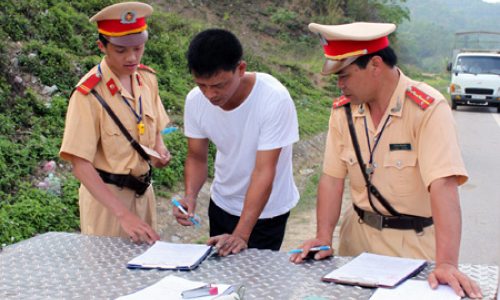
x=372, y=270
x=171, y=288
x=416, y=290
x=163, y=255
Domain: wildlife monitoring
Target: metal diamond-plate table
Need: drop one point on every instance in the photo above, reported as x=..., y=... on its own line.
x=60, y=265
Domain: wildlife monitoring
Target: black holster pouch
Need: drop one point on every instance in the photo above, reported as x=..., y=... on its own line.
x=138, y=184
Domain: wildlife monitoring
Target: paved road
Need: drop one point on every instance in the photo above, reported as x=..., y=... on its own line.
x=479, y=130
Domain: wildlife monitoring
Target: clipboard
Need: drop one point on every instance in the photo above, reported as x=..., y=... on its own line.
x=373, y=270
x=170, y=256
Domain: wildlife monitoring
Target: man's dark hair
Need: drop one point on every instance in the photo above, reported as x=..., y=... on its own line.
x=387, y=54
x=103, y=40
x=212, y=51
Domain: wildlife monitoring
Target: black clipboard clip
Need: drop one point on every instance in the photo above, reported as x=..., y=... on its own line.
x=206, y=290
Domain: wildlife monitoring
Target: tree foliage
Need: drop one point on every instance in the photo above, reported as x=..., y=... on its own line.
x=427, y=39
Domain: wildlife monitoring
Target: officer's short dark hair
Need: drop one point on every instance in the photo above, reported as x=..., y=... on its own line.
x=103, y=40
x=387, y=54
x=212, y=51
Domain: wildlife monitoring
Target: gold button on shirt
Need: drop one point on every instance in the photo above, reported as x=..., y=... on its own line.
x=416, y=147
x=90, y=133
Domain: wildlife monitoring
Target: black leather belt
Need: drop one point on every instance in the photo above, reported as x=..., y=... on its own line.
x=402, y=222
x=138, y=184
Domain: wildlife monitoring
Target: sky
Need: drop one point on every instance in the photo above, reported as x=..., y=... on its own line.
x=492, y=1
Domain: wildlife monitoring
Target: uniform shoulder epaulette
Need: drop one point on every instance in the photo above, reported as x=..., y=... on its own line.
x=420, y=98
x=143, y=67
x=89, y=84
x=340, y=101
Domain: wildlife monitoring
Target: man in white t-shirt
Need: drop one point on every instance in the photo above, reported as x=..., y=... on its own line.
x=251, y=119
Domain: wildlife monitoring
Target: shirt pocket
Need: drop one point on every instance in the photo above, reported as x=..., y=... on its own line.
x=355, y=176
x=151, y=122
x=403, y=172
x=114, y=143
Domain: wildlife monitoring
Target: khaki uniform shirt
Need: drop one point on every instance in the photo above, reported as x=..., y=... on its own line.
x=90, y=133
x=416, y=147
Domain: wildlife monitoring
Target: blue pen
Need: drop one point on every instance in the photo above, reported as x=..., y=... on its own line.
x=184, y=211
x=312, y=249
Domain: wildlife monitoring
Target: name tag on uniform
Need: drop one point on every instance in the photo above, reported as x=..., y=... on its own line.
x=398, y=147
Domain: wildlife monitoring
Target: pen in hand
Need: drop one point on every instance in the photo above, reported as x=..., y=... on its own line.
x=184, y=211
x=312, y=249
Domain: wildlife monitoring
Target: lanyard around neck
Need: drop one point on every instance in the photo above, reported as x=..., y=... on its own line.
x=140, y=124
x=137, y=115
x=369, y=169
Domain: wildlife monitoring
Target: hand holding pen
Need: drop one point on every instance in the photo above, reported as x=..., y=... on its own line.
x=314, y=247
x=183, y=211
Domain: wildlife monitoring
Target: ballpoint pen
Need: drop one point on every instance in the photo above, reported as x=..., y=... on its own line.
x=312, y=249
x=184, y=211
x=207, y=290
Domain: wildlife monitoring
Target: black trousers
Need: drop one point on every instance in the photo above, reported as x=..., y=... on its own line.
x=266, y=234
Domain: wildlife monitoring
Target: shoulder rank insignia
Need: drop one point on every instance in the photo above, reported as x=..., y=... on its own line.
x=89, y=84
x=420, y=98
x=143, y=67
x=340, y=101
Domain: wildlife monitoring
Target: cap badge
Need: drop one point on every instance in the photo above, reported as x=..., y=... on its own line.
x=128, y=17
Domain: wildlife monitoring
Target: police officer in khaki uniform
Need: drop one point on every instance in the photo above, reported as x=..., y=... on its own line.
x=116, y=196
x=402, y=156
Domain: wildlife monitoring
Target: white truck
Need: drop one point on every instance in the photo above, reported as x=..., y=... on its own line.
x=475, y=69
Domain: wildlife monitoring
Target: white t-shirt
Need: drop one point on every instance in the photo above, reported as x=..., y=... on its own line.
x=266, y=120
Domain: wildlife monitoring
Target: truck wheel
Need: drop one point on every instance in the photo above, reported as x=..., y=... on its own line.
x=454, y=105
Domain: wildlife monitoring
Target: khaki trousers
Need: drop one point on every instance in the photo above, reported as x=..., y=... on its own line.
x=95, y=219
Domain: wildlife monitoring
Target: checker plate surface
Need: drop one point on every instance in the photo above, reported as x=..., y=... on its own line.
x=59, y=265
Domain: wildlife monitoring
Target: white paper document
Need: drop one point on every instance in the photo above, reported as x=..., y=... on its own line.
x=151, y=152
x=163, y=255
x=415, y=290
x=373, y=270
x=171, y=288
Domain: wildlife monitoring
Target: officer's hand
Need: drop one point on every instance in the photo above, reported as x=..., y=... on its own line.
x=189, y=204
x=317, y=242
x=165, y=158
x=451, y=275
x=137, y=229
x=228, y=243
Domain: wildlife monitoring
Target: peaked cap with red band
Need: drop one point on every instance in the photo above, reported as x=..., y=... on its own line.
x=344, y=43
x=124, y=24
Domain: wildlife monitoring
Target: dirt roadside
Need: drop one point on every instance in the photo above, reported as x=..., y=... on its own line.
x=307, y=159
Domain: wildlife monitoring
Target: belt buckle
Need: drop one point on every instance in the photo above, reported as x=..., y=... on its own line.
x=374, y=220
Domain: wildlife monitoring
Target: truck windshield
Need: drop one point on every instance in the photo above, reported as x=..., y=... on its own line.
x=478, y=64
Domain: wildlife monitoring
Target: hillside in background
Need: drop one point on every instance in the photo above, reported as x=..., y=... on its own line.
x=47, y=45
x=427, y=39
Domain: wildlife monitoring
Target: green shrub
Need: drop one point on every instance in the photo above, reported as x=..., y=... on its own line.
x=36, y=211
